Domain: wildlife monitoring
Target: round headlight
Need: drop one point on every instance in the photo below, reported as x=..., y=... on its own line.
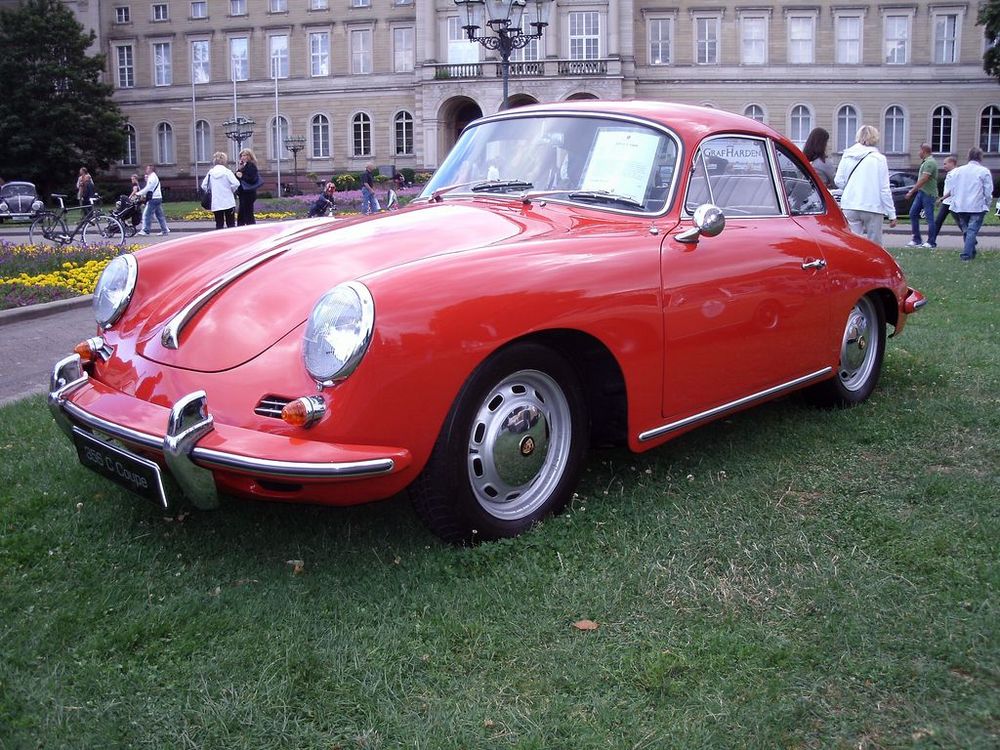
x=338, y=332
x=37, y=205
x=114, y=290
x=3, y=207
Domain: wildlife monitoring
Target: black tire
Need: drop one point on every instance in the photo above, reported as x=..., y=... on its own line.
x=525, y=406
x=47, y=228
x=104, y=230
x=862, y=351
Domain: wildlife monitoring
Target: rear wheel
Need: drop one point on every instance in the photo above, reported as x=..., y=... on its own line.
x=510, y=451
x=862, y=349
x=48, y=228
x=104, y=230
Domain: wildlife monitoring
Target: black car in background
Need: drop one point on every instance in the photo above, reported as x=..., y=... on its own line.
x=19, y=201
x=900, y=183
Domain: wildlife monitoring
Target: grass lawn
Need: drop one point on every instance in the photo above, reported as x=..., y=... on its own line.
x=787, y=577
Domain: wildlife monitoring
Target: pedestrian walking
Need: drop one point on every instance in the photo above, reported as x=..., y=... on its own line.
x=369, y=205
x=863, y=175
x=971, y=195
x=85, y=190
x=948, y=165
x=815, y=151
x=924, y=194
x=154, y=203
x=250, y=181
x=222, y=184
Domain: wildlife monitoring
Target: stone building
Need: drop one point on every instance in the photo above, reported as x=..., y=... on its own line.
x=394, y=81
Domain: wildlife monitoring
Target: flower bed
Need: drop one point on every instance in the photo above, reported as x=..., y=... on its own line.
x=32, y=274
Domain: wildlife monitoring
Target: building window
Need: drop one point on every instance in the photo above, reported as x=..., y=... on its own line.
x=239, y=59
x=706, y=40
x=584, y=35
x=989, y=129
x=123, y=14
x=801, y=123
x=319, y=4
x=125, y=69
x=199, y=9
x=897, y=40
x=754, y=112
x=946, y=27
x=848, y=40
x=942, y=122
x=200, y=62
x=320, y=126
x=661, y=41
x=237, y=7
x=403, y=132
x=202, y=142
x=361, y=135
x=131, y=155
x=361, y=51
x=894, y=131
x=460, y=49
x=801, y=39
x=530, y=50
x=361, y=3
x=278, y=132
x=162, y=64
x=161, y=12
x=164, y=143
x=279, y=55
x=847, y=127
x=753, y=40
x=277, y=6
x=402, y=49
x=319, y=53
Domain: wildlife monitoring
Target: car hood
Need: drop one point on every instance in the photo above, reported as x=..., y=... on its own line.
x=258, y=286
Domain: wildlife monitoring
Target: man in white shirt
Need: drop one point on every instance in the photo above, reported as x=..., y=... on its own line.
x=971, y=195
x=154, y=204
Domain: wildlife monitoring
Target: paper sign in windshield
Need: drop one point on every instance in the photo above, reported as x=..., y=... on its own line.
x=620, y=163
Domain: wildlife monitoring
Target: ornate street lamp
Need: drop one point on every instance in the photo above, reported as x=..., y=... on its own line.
x=505, y=19
x=239, y=129
x=295, y=143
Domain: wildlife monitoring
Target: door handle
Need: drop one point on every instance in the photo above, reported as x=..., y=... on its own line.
x=817, y=264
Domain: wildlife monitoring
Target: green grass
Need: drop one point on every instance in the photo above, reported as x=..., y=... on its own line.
x=787, y=577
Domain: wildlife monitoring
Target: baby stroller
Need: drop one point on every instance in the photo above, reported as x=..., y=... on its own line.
x=129, y=211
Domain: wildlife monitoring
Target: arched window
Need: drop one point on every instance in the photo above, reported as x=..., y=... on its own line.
x=131, y=154
x=403, y=133
x=320, y=126
x=278, y=133
x=202, y=142
x=847, y=126
x=164, y=143
x=754, y=112
x=801, y=123
x=894, y=131
x=942, y=122
x=989, y=129
x=361, y=134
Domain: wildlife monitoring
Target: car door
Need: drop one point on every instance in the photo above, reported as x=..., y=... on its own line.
x=741, y=310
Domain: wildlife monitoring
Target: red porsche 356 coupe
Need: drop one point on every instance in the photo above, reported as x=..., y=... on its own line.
x=573, y=273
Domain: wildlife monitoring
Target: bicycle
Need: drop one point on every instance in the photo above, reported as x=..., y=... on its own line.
x=94, y=226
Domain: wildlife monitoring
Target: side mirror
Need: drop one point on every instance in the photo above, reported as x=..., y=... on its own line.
x=708, y=221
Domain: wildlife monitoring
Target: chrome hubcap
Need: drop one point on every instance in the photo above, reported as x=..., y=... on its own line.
x=859, y=348
x=519, y=444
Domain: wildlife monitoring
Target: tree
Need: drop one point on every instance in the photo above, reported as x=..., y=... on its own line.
x=56, y=114
x=989, y=19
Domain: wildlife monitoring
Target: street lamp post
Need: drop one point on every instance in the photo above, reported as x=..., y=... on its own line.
x=505, y=19
x=295, y=143
x=239, y=129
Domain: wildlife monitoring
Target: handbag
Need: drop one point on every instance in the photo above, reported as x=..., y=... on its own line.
x=254, y=185
x=206, y=200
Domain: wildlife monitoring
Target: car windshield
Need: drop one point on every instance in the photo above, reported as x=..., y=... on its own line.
x=10, y=190
x=613, y=164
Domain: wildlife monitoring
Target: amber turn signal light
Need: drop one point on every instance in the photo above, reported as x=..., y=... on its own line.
x=303, y=412
x=89, y=349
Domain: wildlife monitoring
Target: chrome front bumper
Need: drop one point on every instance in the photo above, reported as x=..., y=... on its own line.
x=188, y=422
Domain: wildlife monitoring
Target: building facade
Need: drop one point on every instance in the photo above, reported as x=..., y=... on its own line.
x=394, y=81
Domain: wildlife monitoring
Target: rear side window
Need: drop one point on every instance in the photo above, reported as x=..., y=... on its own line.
x=734, y=173
x=804, y=197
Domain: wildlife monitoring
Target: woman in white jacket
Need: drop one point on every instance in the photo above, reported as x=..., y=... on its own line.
x=223, y=183
x=863, y=175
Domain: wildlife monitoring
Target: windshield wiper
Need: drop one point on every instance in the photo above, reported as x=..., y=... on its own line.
x=501, y=185
x=603, y=196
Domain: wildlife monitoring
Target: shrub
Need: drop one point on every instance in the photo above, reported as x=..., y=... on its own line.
x=421, y=177
x=408, y=175
x=345, y=181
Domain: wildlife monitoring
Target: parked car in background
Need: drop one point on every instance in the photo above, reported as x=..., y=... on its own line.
x=19, y=201
x=900, y=183
x=574, y=274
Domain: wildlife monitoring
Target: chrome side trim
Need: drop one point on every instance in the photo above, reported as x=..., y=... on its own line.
x=170, y=336
x=672, y=426
x=293, y=469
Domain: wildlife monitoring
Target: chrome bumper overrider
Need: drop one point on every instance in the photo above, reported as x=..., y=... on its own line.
x=188, y=422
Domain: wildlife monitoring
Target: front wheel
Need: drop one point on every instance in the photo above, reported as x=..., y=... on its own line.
x=49, y=228
x=511, y=449
x=862, y=350
x=104, y=230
